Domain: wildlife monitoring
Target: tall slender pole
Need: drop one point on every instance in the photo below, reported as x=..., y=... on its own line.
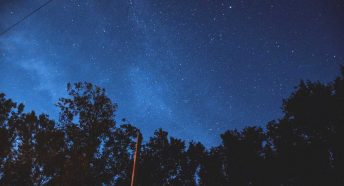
x=136, y=156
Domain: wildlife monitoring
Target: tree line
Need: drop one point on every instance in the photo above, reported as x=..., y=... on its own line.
x=86, y=146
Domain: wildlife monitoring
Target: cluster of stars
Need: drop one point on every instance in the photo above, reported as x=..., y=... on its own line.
x=193, y=68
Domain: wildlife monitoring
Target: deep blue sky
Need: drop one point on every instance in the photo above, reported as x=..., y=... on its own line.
x=194, y=68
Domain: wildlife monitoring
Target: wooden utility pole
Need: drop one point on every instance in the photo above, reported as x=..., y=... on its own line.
x=136, y=157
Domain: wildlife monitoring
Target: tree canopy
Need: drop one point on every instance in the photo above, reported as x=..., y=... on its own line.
x=86, y=146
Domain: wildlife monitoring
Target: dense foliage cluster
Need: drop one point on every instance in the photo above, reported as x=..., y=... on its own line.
x=86, y=147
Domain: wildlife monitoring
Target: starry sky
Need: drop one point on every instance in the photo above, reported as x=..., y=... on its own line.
x=195, y=68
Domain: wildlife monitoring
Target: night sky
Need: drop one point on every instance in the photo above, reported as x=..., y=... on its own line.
x=195, y=68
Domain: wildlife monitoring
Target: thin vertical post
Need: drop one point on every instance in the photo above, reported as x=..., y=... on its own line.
x=136, y=156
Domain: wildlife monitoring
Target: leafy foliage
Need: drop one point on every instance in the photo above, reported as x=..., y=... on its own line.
x=86, y=147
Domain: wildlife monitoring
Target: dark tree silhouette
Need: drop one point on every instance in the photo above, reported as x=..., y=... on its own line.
x=162, y=160
x=86, y=147
x=96, y=152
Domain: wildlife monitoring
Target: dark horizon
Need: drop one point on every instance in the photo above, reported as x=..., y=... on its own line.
x=224, y=92
x=87, y=147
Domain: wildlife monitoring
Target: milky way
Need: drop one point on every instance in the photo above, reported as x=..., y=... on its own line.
x=195, y=68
